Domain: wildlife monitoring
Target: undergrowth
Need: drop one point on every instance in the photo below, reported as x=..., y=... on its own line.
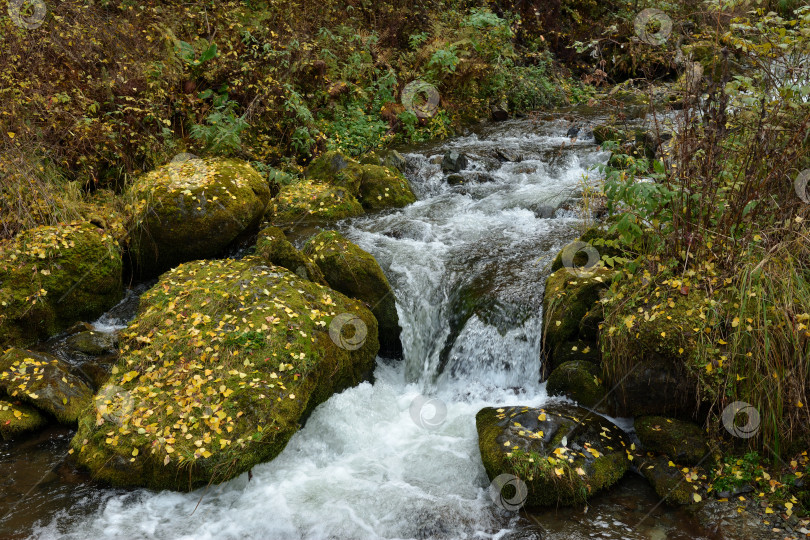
x=720, y=226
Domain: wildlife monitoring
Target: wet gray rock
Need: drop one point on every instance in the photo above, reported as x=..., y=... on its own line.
x=507, y=154
x=453, y=162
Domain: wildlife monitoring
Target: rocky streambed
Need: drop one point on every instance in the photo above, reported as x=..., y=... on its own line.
x=408, y=342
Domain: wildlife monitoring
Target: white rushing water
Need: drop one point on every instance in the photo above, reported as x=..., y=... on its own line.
x=370, y=463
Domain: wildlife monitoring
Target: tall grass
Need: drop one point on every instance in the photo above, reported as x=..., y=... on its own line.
x=723, y=220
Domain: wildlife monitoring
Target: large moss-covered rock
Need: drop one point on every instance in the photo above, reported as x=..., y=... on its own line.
x=651, y=344
x=17, y=418
x=45, y=382
x=357, y=274
x=376, y=186
x=683, y=441
x=578, y=380
x=193, y=209
x=274, y=247
x=668, y=481
x=383, y=187
x=221, y=366
x=51, y=277
x=311, y=202
x=564, y=454
x=336, y=169
x=568, y=297
x=576, y=351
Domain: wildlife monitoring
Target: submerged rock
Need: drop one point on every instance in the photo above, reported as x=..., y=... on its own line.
x=193, y=209
x=274, y=247
x=17, y=418
x=357, y=274
x=53, y=276
x=45, y=382
x=224, y=362
x=564, y=454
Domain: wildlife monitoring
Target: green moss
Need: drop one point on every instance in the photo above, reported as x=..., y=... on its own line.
x=605, y=243
x=17, y=418
x=606, y=132
x=92, y=343
x=577, y=351
x=51, y=277
x=527, y=443
x=652, y=341
x=383, y=187
x=589, y=325
x=312, y=202
x=357, y=274
x=668, y=481
x=580, y=381
x=682, y=441
x=44, y=381
x=193, y=209
x=274, y=247
x=566, y=300
x=374, y=185
x=224, y=361
x=667, y=327
x=336, y=169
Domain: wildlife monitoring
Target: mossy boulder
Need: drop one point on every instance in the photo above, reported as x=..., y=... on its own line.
x=576, y=351
x=310, y=202
x=578, y=380
x=274, y=247
x=45, y=382
x=193, y=209
x=564, y=454
x=568, y=297
x=682, y=441
x=53, y=276
x=383, y=187
x=668, y=481
x=590, y=323
x=93, y=343
x=336, y=169
x=223, y=363
x=376, y=186
x=357, y=274
x=651, y=348
x=17, y=418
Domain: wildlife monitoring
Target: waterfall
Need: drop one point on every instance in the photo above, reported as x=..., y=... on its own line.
x=399, y=458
